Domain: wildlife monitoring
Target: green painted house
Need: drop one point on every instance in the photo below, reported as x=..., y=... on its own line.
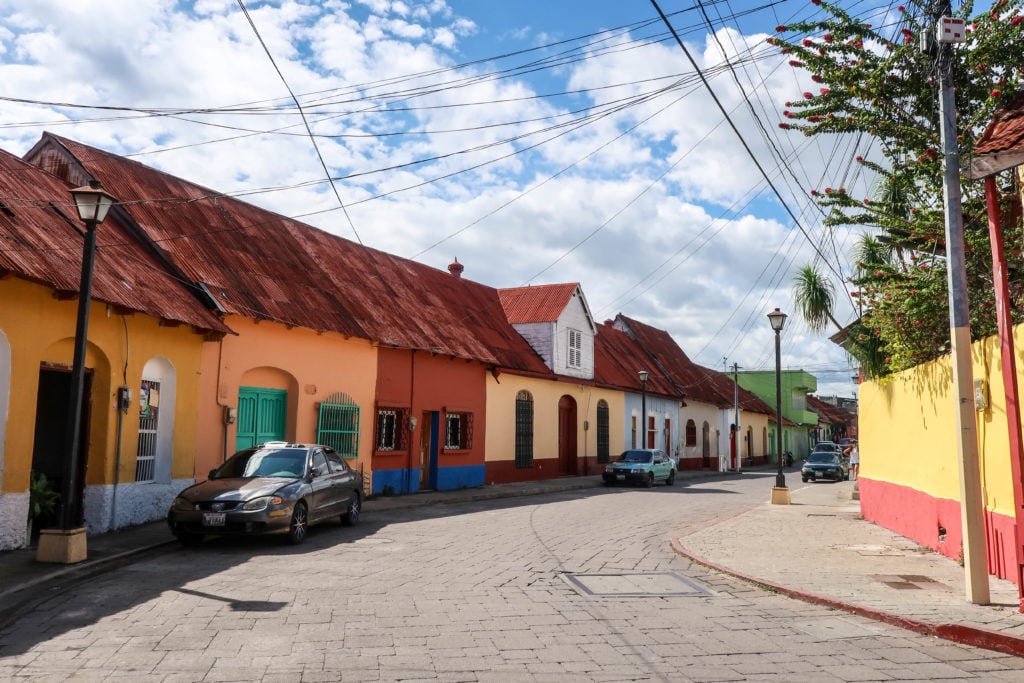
x=798, y=420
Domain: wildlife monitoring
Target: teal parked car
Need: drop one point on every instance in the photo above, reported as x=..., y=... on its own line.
x=641, y=466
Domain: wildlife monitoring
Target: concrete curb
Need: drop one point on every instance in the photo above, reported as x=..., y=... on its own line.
x=957, y=633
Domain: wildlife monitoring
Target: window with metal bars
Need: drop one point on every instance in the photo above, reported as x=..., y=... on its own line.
x=691, y=433
x=524, y=430
x=149, y=421
x=603, y=442
x=391, y=435
x=458, y=431
x=338, y=425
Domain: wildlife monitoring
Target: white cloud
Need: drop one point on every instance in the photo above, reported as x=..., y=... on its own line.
x=683, y=252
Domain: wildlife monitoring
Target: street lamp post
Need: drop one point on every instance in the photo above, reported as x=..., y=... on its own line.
x=68, y=544
x=643, y=374
x=780, y=494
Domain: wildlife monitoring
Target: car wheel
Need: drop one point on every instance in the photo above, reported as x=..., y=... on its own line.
x=671, y=478
x=608, y=483
x=805, y=479
x=650, y=479
x=299, y=525
x=189, y=539
x=355, y=506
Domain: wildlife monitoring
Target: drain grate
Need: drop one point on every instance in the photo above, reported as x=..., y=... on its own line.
x=636, y=584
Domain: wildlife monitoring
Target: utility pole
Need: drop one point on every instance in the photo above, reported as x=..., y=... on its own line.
x=972, y=516
x=736, y=404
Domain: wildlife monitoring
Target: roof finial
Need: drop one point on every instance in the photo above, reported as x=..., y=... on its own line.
x=456, y=268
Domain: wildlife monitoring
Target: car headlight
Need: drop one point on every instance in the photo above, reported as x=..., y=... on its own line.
x=182, y=505
x=637, y=470
x=609, y=469
x=262, y=503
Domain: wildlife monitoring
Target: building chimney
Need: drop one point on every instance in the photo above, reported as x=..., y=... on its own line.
x=456, y=268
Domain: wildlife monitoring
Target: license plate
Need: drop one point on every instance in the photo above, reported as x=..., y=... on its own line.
x=214, y=518
x=620, y=476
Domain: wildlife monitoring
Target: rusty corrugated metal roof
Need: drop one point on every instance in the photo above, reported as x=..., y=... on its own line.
x=1006, y=130
x=617, y=360
x=537, y=304
x=261, y=265
x=696, y=382
x=40, y=241
x=1001, y=145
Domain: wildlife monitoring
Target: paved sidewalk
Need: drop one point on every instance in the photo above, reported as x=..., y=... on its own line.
x=818, y=550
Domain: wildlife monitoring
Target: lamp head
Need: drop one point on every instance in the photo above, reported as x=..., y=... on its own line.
x=92, y=202
x=778, y=320
x=643, y=374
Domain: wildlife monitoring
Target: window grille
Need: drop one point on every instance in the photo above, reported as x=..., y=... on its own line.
x=603, y=440
x=575, y=359
x=149, y=419
x=524, y=429
x=691, y=433
x=458, y=431
x=338, y=425
x=391, y=435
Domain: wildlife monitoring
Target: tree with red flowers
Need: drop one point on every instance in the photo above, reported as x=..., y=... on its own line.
x=881, y=82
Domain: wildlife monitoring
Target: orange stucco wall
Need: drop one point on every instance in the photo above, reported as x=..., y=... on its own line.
x=310, y=366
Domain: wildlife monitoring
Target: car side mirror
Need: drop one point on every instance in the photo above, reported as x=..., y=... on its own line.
x=213, y=473
x=312, y=473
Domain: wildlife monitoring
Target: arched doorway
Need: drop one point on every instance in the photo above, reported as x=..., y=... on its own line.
x=566, y=435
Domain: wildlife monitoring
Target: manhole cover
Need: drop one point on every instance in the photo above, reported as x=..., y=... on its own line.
x=636, y=584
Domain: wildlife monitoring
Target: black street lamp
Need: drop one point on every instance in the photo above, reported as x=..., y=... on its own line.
x=778, y=320
x=643, y=374
x=93, y=203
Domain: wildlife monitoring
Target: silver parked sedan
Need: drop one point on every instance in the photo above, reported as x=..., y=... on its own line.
x=273, y=488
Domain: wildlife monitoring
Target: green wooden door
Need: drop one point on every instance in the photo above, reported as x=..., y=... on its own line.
x=261, y=416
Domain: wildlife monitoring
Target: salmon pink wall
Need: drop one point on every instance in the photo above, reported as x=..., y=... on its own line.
x=309, y=365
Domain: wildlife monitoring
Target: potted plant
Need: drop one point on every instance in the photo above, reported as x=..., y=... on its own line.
x=43, y=498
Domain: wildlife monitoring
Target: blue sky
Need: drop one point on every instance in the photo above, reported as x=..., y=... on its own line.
x=523, y=138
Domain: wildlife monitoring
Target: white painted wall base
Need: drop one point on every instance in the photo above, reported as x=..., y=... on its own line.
x=132, y=504
x=13, y=520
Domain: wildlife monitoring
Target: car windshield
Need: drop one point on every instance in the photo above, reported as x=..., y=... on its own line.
x=826, y=448
x=830, y=458
x=635, y=456
x=287, y=463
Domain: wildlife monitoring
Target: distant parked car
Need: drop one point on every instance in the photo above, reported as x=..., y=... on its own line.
x=642, y=466
x=824, y=465
x=273, y=488
x=826, y=447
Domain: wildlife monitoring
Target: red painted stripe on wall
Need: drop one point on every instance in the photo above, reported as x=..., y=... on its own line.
x=922, y=518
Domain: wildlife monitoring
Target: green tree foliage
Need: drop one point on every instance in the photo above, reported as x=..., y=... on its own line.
x=879, y=81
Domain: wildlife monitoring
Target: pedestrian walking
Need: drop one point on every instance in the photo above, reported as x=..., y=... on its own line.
x=853, y=453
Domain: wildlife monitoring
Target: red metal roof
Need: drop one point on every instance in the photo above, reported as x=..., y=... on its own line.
x=617, y=360
x=696, y=382
x=261, y=265
x=1006, y=130
x=40, y=241
x=536, y=304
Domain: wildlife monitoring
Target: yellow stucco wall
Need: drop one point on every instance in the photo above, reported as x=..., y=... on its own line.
x=308, y=365
x=501, y=417
x=41, y=330
x=908, y=435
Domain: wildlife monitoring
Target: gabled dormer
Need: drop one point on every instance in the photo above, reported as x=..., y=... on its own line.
x=556, y=321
